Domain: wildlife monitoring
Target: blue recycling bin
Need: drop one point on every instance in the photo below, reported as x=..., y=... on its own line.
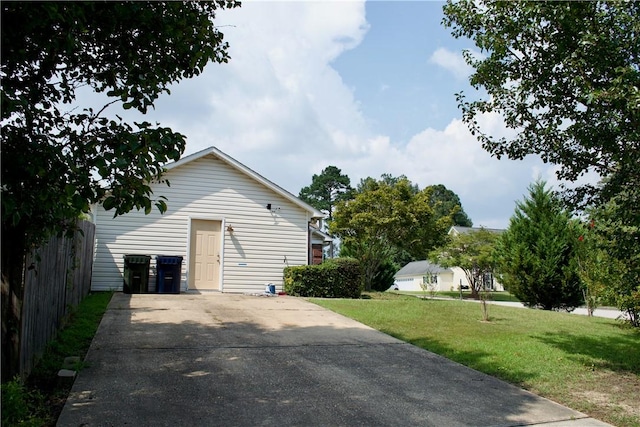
x=168, y=271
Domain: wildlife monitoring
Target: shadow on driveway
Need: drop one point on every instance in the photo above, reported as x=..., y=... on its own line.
x=224, y=359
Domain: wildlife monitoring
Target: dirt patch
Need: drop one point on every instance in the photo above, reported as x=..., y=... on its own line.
x=613, y=397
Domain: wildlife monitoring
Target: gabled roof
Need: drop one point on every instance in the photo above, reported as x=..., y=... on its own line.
x=420, y=268
x=464, y=230
x=249, y=172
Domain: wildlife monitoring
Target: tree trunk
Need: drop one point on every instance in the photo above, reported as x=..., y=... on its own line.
x=472, y=283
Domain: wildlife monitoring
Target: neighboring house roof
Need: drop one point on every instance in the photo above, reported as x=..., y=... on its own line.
x=247, y=171
x=464, y=230
x=326, y=237
x=420, y=268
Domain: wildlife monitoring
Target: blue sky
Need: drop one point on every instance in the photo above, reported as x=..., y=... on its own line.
x=400, y=88
x=367, y=87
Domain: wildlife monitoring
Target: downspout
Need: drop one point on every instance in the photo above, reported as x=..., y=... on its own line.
x=309, y=249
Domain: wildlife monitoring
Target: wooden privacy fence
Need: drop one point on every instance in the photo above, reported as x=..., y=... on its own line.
x=57, y=277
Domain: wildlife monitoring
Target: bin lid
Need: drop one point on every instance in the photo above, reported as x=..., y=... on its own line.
x=168, y=260
x=137, y=259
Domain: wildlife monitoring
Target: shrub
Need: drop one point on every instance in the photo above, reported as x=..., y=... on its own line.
x=335, y=278
x=384, y=277
x=19, y=405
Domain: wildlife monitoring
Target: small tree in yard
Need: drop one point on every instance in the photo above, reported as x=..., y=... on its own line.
x=596, y=268
x=473, y=253
x=536, y=256
x=429, y=284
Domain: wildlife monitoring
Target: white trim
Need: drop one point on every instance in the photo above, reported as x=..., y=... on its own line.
x=223, y=230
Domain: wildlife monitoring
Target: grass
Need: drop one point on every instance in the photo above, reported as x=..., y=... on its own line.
x=588, y=364
x=494, y=296
x=43, y=394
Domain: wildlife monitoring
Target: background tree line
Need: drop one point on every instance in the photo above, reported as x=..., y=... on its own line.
x=548, y=257
x=384, y=222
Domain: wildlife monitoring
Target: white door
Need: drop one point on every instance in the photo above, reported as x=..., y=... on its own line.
x=204, y=259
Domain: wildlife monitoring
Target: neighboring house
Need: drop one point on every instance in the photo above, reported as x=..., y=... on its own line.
x=489, y=279
x=412, y=276
x=319, y=240
x=235, y=229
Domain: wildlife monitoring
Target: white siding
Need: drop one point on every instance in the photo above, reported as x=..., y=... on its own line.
x=458, y=277
x=261, y=245
x=414, y=283
x=408, y=283
x=447, y=281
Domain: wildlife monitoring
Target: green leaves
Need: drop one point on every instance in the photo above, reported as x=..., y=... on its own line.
x=385, y=218
x=63, y=159
x=472, y=251
x=537, y=256
x=326, y=189
x=565, y=75
x=610, y=256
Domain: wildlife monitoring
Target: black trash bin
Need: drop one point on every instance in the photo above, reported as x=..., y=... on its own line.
x=136, y=274
x=168, y=271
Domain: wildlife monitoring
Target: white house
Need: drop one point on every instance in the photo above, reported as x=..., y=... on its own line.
x=235, y=229
x=414, y=275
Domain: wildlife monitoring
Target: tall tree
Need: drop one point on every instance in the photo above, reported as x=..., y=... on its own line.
x=612, y=260
x=383, y=219
x=566, y=76
x=473, y=253
x=386, y=178
x=326, y=189
x=447, y=203
x=536, y=257
x=59, y=158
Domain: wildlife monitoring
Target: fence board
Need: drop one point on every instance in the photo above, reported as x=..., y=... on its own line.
x=57, y=278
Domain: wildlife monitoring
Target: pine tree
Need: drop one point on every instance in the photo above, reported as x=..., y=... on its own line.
x=536, y=255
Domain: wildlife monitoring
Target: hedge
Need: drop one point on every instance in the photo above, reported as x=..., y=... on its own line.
x=334, y=278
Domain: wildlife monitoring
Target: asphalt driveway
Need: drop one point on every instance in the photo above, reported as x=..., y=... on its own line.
x=239, y=360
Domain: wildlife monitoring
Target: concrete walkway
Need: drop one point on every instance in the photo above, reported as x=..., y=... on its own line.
x=235, y=360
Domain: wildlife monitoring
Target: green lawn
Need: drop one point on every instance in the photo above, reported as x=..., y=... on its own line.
x=493, y=296
x=589, y=364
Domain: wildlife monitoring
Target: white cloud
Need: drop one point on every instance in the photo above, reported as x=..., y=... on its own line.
x=281, y=109
x=278, y=93
x=487, y=187
x=451, y=61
